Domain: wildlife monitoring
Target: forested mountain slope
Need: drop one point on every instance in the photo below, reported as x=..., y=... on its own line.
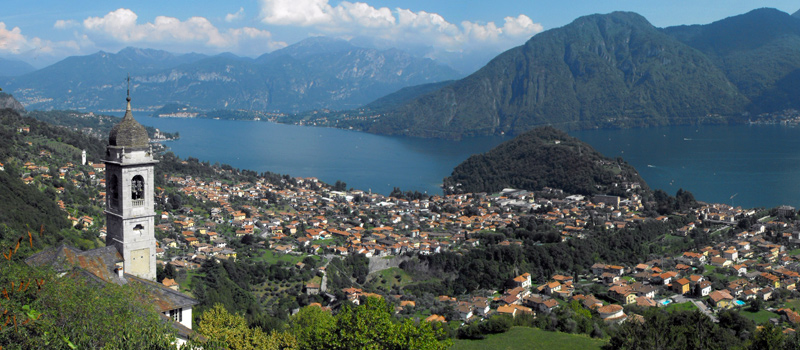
x=542, y=157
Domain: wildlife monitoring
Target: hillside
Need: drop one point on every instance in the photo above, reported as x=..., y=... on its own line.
x=762, y=61
x=600, y=70
x=11, y=68
x=617, y=70
x=542, y=157
x=315, y=73
x=8, y=101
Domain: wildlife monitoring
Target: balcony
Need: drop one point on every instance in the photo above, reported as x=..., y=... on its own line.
x=137, y=202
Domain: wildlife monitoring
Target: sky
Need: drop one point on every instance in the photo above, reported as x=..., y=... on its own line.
x=42, y=32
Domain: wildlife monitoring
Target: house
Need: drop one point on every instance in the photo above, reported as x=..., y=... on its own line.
x=312, y=288
x=464, y=312
x=646, y=302
x=481, y=307
x=507, y=310
x=623, y=294
x=552, y=287
x=170, y=283
x=719, y=261
x=612, y=313
x=703, y=288
x=523, y=280
x=589, y=301
x=681, y=286
x=721, y=299
x=435, y=318
x=772, y=280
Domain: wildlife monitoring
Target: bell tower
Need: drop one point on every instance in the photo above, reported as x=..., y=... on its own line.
x=129, y=195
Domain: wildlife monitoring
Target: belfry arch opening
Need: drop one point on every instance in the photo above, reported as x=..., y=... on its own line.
x=137, y=190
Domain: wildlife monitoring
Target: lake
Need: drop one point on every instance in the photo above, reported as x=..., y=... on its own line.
x=364, y=161
x=747, y=165
x=751, y=166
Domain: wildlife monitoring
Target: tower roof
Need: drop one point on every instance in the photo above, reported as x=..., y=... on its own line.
x=128, y=132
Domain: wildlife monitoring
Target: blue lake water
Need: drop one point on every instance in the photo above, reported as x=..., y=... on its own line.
x=364, y=161
x=759, y=166
x=747, y=165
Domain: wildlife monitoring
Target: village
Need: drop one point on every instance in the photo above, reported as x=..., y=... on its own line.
x=303, y=217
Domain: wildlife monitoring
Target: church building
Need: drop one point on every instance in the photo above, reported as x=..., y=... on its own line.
x=130, y=252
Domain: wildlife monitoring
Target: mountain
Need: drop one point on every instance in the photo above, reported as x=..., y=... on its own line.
x=312, y=74
x=90, y=82
x=600, y=70
x=404, y=95
x=12, y=68
x=759, y=52
x=542, y=157
x=796, y=14
x=8, y=101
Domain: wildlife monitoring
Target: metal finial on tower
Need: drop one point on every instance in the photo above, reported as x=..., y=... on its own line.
x=129, y=87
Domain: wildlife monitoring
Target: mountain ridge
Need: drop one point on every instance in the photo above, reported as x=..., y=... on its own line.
x=315, y=73
x=592, y=72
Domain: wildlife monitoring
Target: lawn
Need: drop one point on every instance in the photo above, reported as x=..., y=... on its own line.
x=186, y=282
x=762, y=316
x=530, y=338
x=794, y=252
x=681, y=307
x=793, y=304
x=272, y=257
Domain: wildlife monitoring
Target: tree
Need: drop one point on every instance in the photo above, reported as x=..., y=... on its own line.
x=340, y=186
x=230, y=331
x=74, y=311
x=313, y=327
x=369, y=326
x=768, y=337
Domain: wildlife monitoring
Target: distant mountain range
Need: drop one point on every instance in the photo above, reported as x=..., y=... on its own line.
x=617, y=70
x=13, y=68
x=314, y=73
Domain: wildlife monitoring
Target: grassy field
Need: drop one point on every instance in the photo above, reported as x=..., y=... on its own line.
x=793, y=304
x=393, y=276
x=273, y=257
x=762, y=316
x=682, y=306
x=794, y=252
x=530, y=338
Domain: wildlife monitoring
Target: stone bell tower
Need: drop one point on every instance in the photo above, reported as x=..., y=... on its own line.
x=129, y=196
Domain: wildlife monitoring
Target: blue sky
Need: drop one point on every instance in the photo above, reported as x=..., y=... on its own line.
x=43, y=32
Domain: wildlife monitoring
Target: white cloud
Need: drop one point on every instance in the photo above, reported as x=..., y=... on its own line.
x=296, y=12
x=235, y=16
x=64, y=24
x=13, y=42
x=168, y=32
x=403, y=26
x=521, y=25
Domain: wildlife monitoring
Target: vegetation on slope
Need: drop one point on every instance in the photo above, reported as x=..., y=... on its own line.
x=763, y=61
x=543, y=157
x=600, y=70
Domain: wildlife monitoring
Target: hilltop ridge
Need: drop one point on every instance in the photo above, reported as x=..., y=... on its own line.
x=543, y=157
x=617, y=70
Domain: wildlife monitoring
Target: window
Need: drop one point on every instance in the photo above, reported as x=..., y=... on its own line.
x=176, y=314
x=113, y=191
x=137, y=190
